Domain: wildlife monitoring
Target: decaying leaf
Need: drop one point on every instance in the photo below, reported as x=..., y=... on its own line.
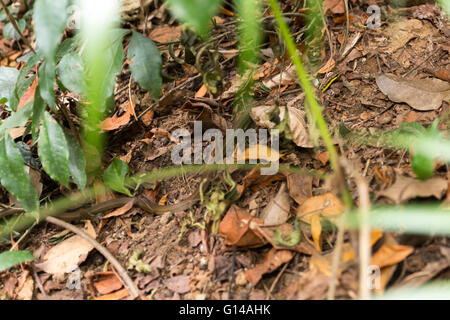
x=67, y=255
x=277, y=211
x=285, y=77
x=164, y=34
x=315, y=208
x=120, y=211
x=300, y=187
x=107, y=282
x=235, y=228
x=406, y=188
x=403, y=31
x=298, y=128
x=118, y=295
x=178, y=284
x=26, y=287
x=258, y=152
x=390, y=254
x=335, y=6
x=115, y=121
x=272, y=261
x=422, y=94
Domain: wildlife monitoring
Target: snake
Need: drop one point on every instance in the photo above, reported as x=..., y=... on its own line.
x=146, y=204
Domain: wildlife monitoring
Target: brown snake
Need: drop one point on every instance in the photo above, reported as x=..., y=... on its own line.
x=145, y=204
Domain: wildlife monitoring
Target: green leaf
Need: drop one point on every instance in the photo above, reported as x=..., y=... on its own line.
x=50, y=18
x=53, y=150
x=65, y=47
x=47, y=81
x=195, y=13
x=10, y=33
x=77, y=162
x=114, y=176
x=38, y=110
x=422, y=165
x=14, y=177
x=8, y=79
x=9, y=259
x=17, y=119
x=70, y=70
x=146, y=65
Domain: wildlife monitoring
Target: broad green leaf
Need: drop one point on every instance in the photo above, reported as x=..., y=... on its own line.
x=53, y=150
x=50, y=18
x=13, y=175
x=10, y=33
x=38, y=110
x=17, y=119
x=47, y=81
x=70, y=71
x=195, y=13
x=8, y=78
x=146, y=64
x=9, y=259
x=66, y=47
x=114, y=176
x=77, y=162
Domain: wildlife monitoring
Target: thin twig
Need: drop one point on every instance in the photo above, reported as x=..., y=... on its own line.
x=16, y=27
x=131, y=286
x=364, y=238
x=336, y=259
x=274, y=283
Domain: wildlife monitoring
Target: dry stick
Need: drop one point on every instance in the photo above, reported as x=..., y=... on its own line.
x=272, y=287
x=364, y=238
x=336, y=259
x=131, y=286
x=13, y=22
x=347, y=30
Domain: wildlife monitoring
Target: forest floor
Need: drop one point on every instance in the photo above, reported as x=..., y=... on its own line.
x=189, y=262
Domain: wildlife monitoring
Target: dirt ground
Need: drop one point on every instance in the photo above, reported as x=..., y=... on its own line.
x=189, y=262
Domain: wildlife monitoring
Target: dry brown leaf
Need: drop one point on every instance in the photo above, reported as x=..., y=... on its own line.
x=107, y=283
x=178, y=284
x=67, y=255
x=28, y=96
x=26, y=288
x=298, y=127
x=300, y=187
x=401, y=32
x=120, y=211
x=277, y=211
x=283, y=78
x=115, y=121
x=327, y=67
x=272, y=261
x=163, y=33
x=201, y=92
x=390, y=254
x=325, y=205
x=406, y=188
x=258, y=152
x=234, y=227
x=118, y=295
x=335, y=6
x=147, y=118
x=422, y=94
x=17, y=132
x=315, y=208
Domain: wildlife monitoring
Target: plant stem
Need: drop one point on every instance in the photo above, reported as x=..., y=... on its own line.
x=16, y=27
x=306, y=85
